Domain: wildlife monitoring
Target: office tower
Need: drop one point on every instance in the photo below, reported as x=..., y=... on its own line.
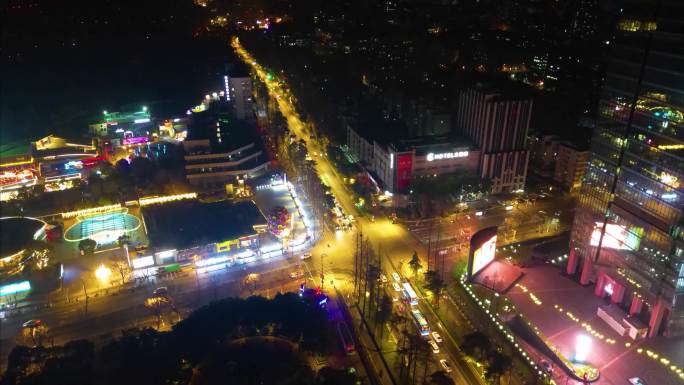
x=627, y=235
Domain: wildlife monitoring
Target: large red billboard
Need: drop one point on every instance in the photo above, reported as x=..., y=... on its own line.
x=404, y=171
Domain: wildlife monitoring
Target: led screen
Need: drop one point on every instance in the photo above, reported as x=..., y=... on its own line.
x=484, y=254
x=482, y=250
x=617, y=236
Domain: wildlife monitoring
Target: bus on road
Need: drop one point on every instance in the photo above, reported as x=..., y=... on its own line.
x=346, y=338
x=410, y=294
x=420, y=322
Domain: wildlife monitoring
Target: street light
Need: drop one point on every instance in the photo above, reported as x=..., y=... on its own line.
x=582, y=347
x=103, y=273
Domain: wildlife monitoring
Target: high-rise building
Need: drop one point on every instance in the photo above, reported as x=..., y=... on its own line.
x=570, y=164
x=584, y=18
x=627, y=239
x=497, y=122
x=241, y=96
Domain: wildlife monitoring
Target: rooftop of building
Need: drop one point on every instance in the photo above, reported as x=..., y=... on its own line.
x=189, y=223
x=126, y=117
x=234, y=133
x=14, y=149
x=395, y=135
x=503, y=89
x=427, y=144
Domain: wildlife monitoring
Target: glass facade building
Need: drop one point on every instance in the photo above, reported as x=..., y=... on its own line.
x=628, y=235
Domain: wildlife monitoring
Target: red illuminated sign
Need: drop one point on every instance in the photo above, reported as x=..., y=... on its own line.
x=404, y=171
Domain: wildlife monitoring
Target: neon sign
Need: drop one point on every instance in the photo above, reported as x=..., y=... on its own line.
x=446, y=155
x=135, y=140
x=14, y=288
x=142, y=262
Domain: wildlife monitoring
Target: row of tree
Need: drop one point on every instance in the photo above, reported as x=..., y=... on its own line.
x=377, y=309
x=249, y=341
x=479, y=347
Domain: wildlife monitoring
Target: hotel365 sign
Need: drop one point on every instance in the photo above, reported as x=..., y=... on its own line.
x=446, y=155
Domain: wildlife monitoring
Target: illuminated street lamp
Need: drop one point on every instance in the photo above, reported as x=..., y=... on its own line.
x=103, y=273
x=582, y=348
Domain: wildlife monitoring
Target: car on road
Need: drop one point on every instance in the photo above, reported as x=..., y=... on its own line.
x=437, y=337
x=383, y=278
x=445, y=364
x=296, y=274
x=396, y=277
x=161, y=292
x=636, y=381
x=305, y=256
x=435, y=348
x=396, y=286
x=32, y=323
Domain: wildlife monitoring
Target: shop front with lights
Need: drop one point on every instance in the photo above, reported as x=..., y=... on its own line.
x=204, y=234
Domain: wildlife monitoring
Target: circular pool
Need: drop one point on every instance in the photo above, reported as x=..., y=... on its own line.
x=103, y=228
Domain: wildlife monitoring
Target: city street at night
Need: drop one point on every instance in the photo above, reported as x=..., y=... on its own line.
x=206, y=192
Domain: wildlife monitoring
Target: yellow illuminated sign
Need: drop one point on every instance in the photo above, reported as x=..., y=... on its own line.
x=165, y=199
x=18, y=163
x=671, y=146
x=226, y=245
x=93, y=210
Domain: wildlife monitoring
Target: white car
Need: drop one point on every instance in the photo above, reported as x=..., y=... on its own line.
x=296, y=274
x=636, y=381
x=437, y=337
x=383, y=278
x=445, y=365
x=435, y=348
x=396, y=277
x=305, y=256
x=396, y=286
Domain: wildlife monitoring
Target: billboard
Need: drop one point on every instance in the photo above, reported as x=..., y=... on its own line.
x=482, y=250
x=404, y=171
x=617, y=237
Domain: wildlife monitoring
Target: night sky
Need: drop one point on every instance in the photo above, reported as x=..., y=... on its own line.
x=65, y=61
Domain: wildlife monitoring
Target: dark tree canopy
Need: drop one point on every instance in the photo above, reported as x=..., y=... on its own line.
x=251, y=341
